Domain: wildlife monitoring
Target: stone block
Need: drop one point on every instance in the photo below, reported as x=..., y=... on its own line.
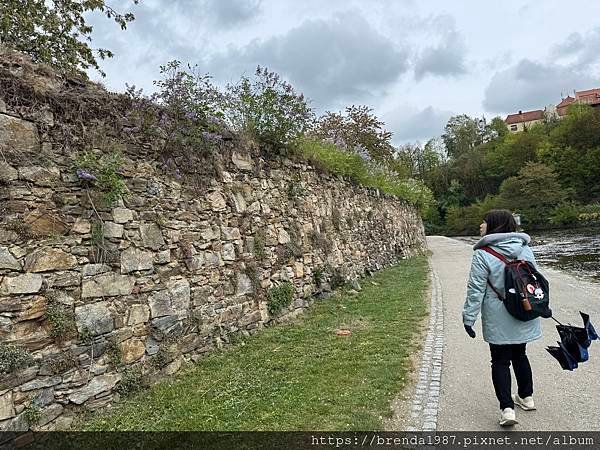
x=230, y=234
x=122, y=215
x=29, y=283
x=94, y=318
x=138, y=314
x=45, y=260
x=18, y=135
x=41, y=222
x=152, y=236
x=7, y=408
x=90, y=270
x=216, y=201
x=81, y=226
x=107, y=285
x=175, y=299
x=112, y=230
x=244, y=284
x=134, y=259
x=98, y=384
x=7, y=173
x=42, y=176
x=228, y=252
x=242, y=161
x=132, y=350
x=8, y=261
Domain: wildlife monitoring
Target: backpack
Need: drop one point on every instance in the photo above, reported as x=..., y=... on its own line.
x=526, y=291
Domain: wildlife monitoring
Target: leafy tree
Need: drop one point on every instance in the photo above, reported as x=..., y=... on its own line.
x=358, y=130
x=55, y=31
x=466, y=220
x=496, y=129
x=573, y=150
x=509, y=155
x=461, y=134
x=534, y=192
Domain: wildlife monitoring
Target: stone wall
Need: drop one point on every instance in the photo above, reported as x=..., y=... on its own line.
x=96, y=298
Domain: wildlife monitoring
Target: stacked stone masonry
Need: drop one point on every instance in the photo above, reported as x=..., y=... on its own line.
x=174, y=271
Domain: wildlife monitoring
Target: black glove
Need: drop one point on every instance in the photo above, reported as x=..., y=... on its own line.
x=470, y=331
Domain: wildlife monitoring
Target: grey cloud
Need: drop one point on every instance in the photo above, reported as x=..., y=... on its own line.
x=331, y=60
x=446, y=58
x=499, y=62
x=229, y=13
x=533, y=85
x=585, y=49
x=571, y=45
x=414, y=125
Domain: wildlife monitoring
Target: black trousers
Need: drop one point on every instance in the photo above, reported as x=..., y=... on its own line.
x=502, y=356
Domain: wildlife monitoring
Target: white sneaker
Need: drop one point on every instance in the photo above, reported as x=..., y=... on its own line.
x=525, y=403
x=507, y=417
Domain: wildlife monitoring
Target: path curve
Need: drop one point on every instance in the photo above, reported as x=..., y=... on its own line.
x=565, y=400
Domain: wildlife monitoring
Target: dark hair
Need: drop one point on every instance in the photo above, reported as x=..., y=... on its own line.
x=500, y=221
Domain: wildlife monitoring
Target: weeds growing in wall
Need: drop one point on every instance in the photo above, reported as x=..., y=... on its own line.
x=279, y=297
x=331, y=158
x=13, y=358
x=102, y=172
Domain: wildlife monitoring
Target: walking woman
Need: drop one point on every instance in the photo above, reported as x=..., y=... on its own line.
x=506, y=335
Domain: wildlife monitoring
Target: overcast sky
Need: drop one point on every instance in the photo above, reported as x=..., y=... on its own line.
x=414, y=62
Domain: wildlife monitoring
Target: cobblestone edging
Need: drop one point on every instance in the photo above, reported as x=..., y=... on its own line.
x=426, y=400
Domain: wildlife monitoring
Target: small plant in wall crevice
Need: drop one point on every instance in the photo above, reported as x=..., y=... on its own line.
x=279, y=297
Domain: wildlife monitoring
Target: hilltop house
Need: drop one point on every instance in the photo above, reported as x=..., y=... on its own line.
x=589, y=97
x=523, y=120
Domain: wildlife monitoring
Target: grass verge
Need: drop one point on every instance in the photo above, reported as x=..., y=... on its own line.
x=297, y=376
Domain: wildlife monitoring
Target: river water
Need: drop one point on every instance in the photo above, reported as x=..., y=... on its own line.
x=576, y=251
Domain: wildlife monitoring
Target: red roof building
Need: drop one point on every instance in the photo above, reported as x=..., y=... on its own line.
x=589, y=97
x=561, y=108
x=521, y=120
x=526, y=116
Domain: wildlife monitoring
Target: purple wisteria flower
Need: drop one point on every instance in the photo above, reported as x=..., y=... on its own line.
x=83, y=175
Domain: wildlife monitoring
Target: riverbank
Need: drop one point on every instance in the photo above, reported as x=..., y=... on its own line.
x=576, y=250
x=301, y=376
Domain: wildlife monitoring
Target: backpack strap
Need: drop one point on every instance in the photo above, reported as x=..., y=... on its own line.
x=491, y=251
x=502, y=258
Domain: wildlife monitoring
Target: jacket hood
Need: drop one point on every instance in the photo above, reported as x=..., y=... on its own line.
x=509, y=244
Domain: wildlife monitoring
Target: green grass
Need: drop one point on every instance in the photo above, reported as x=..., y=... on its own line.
x=332, y=159
x=298, y=376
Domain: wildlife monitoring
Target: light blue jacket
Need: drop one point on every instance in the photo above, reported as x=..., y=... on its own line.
x=499, y=327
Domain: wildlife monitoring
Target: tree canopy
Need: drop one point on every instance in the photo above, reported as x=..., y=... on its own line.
x=55, y=31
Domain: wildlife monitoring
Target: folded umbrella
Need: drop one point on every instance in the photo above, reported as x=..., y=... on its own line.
x=574, y=342
x=588, y=326
x=567, y=362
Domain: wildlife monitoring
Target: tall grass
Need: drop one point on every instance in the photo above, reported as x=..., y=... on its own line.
x=329, y=157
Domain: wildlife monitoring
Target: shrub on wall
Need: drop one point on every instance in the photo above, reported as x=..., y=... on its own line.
x=267, y=108
x=61, y=319
x=13, y=358
x=331, y=158
x=279, y=297
x=102, y=172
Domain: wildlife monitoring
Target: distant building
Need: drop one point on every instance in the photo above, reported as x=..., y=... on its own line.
x=562, y=107
x=523, y=120
x=589, y=97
